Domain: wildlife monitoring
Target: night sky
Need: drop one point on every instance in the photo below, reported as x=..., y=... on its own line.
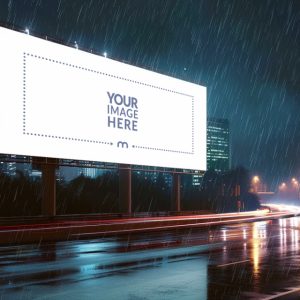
x=246, y=52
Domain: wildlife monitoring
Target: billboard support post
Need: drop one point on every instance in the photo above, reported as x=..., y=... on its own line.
x=176, y=192
x=48, y=168
x=125, y=188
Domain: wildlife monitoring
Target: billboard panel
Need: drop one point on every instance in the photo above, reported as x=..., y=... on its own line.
x=58, y=101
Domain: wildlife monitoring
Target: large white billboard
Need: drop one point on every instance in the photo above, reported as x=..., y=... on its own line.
x=58, y=101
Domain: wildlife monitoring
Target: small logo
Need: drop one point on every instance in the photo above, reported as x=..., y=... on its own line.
x=122, y=144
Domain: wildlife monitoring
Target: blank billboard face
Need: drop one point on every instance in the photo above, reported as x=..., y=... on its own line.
x=57, y=101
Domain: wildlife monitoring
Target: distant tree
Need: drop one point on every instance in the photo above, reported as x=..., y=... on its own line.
x=218, y=192
x=148, y=195
x=87, y=195
x=19, y=196
x=251, y=201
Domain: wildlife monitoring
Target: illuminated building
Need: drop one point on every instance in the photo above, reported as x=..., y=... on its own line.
x=8, y=167
x=90, y=172
x=152, y=174
x=218, y=147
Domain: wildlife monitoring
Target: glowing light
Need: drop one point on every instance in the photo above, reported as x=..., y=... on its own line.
x=284, y=207
x=295, y=182
x=295, y=240
x=105, y=54
x=294, y=222
x=255, y=251
x=282, y=187
x=27, y=31
x=224, y=235
x=255, y=184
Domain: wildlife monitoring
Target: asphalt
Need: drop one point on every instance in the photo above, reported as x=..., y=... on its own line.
x=242, y=261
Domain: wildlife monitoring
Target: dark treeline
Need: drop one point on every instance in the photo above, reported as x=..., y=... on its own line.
x=89, y=195
x=221, y=192
x=21, y=196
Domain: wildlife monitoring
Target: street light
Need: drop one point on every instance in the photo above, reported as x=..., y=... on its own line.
x=295, y=183
x=255, y=183
x=282, y=186
x=255, y=179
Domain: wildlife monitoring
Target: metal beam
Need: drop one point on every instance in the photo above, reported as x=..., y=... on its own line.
x=48, y=167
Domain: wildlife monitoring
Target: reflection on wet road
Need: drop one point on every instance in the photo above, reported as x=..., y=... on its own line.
x=246, y=261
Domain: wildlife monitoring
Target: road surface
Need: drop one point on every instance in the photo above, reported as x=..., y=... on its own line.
x=259, y=260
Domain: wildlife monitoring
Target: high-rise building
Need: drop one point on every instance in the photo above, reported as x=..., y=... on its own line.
x=152, y=173
x=90, y=172
x=24, y=166
x=218, y=147
x=8, y=166
x=13, y=165
x=197, y=179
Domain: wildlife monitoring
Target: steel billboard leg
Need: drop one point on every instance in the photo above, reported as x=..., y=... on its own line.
x=48, y=187
x=125, y=188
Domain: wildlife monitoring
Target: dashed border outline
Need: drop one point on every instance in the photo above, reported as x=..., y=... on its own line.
x=24, y=111
x=25, y=54
x=160, y=149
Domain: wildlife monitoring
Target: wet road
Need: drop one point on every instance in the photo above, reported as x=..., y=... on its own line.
x=258, y=260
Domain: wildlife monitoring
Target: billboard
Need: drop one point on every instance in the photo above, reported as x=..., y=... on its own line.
x=58, y=101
